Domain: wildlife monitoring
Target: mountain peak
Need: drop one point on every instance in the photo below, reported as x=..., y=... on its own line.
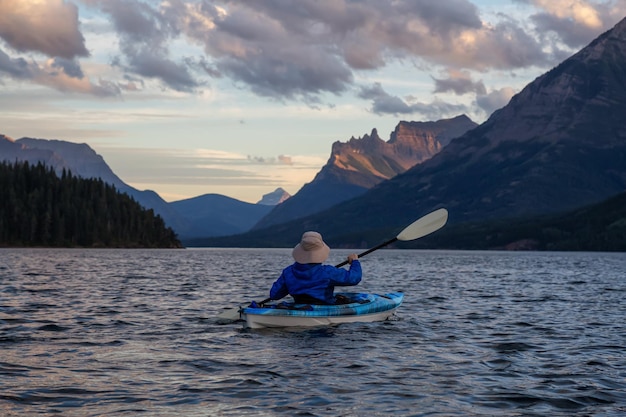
x=409, y=144
x=568, y=101
x=274, y=198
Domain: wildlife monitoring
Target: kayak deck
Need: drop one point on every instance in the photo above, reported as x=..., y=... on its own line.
x=361, y=307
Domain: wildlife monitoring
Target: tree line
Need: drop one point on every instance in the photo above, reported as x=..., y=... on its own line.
x=40, y=208
x=597, y=227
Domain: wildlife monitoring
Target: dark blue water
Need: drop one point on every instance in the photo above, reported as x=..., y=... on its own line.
x=133, y=332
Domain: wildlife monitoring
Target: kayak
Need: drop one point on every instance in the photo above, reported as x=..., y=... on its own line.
x=360, y=307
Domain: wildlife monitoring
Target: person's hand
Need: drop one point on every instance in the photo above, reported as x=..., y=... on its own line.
x=352, y=257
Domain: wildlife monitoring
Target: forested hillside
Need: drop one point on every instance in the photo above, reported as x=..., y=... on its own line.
x=37, y=208
x=599, y=227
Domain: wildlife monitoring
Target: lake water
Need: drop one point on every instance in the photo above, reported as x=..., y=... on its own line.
x=134, y=332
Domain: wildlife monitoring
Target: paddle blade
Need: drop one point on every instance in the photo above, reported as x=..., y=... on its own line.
x=424, y=225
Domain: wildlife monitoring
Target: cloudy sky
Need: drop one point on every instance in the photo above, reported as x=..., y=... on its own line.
x=188, y=97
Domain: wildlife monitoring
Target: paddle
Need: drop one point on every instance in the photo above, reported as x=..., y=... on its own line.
x=419, y=228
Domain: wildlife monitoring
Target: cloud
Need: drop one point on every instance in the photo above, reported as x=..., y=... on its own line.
x=288, y=49
x=57, y=73
x=459, y=82
x=580, y=11
x=48, y=74
x=154, y=65
x=384, y=103
x=69, y=67
x=284, y=159
x=15, y=67
x=300, y=52
x=279, y=160
x=145, y=33
x=574, y=22
x=495, y=99
x=303, y=50
x=270, y=56
x=50, y=27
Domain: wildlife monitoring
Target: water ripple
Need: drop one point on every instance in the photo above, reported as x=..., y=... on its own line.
x=128, y=332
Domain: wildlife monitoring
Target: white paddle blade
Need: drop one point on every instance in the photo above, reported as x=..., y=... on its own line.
x=424, y=225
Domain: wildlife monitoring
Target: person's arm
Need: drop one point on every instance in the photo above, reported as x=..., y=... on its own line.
x=352, y=276
x=279, y=288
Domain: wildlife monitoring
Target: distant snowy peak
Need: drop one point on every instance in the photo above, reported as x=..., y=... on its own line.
x=274, y=198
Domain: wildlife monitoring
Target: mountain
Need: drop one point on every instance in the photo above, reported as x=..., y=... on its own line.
x=12, y=151
x=558, y=145
x=275, y=197
x=209, y=215
x=84, y=162
x=217, y=215
x=359, y=164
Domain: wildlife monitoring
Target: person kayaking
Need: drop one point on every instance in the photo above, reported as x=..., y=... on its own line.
x=310, y=282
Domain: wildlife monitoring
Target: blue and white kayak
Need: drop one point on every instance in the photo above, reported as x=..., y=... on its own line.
x=360, y=308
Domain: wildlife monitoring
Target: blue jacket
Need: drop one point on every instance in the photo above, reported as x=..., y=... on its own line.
x=314, y=280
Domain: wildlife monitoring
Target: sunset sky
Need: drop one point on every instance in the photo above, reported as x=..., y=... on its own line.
x=188, y=97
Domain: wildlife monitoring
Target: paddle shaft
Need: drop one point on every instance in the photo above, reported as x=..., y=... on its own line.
x=389, y=242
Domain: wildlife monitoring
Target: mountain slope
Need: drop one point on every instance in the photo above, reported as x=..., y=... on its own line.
x=218, y=215
x=559, y=144
x=359, y=164
x=599, y=227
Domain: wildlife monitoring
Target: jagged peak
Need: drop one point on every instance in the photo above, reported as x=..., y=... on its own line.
x=373, y=136
x=365, y=140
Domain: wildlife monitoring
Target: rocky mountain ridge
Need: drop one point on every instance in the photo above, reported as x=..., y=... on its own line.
x=361, y=163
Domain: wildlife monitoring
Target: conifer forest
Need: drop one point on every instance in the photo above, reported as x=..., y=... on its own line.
x=40, y=208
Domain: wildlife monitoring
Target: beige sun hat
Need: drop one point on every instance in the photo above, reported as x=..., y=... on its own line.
x=311, y=249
